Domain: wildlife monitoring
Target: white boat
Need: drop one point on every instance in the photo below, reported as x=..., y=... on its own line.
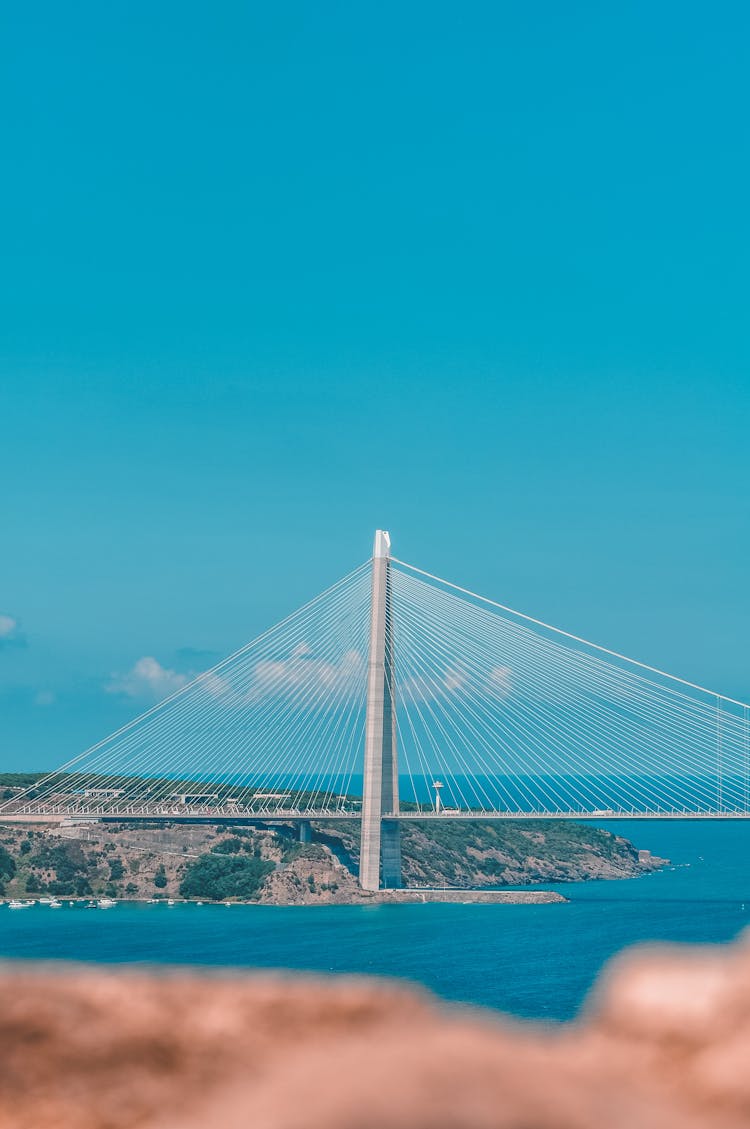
x=106, y=903
x=14, y=904
x=54, y=904
x=170, y=901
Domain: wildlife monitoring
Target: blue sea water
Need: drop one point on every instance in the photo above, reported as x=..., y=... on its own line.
x=535, y=961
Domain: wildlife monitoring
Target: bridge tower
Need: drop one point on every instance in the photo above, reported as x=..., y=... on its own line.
x=381, y=837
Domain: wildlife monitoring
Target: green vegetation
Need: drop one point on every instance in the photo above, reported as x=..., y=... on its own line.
x=160, y=878
x=19, y=779
x=217, y=876
x=512, y=852
x=229, y=846
x=7, y=864
x=116, y=869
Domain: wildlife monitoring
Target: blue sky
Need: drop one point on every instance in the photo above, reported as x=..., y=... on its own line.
x=275, y=275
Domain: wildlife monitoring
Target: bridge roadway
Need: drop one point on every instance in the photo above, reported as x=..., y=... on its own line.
x=301, y=816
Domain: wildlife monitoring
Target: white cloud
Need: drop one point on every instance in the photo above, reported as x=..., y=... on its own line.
x=454, y=679
x=10, y=632
x=147, y=679
x=8, y=626
x=499, y=681
x=304, y=674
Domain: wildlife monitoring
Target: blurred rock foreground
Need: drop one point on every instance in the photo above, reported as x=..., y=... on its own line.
x=664, y=1042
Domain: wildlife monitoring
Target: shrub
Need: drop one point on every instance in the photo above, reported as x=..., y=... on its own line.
x=228, y=846
x=160, y=878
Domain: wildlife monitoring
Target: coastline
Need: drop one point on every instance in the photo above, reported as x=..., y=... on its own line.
x=268, y=866
x=382, y=897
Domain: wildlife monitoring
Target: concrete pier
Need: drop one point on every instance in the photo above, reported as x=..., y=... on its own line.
x=305, y=831
x=380, y=788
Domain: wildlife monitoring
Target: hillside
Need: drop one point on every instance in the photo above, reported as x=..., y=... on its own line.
x=268, y=865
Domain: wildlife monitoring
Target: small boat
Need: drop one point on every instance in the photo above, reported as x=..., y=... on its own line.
x=199, y=903
x=54, y=904
x=15, y=904
x=90, y=905
x=170, y=901
x=106, y=903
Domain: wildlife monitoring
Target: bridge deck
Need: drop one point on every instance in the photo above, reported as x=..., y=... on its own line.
x=312, y=816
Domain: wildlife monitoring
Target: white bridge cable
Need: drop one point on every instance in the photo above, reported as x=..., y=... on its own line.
x=635, y=720
x=470, y=694
x=567, y=634
x=482, y=727
x=230, y=703
x=511, y=714
x=647, y=717
x=191, y=686
x=200, y=736
x=485, y=730
x=212, y=707
x=596, y=704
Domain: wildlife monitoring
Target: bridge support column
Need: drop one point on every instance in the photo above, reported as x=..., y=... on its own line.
x=390, y=850
x=305, y=831
x=380, y=785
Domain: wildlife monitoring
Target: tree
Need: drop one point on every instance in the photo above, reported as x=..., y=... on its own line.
x=216, y=876
x=7, y=864
x=160, y=878
x=116, y=869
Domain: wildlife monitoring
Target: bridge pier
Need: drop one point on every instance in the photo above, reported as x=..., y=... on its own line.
x=380, y=838
x=305, y=831
x=390, y=850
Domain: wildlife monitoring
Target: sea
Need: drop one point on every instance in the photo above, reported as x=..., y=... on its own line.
x=532, y=961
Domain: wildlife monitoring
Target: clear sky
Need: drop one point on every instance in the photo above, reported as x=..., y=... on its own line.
x=277, y=274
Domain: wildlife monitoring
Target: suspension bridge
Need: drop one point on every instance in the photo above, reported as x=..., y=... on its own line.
x=396, y=695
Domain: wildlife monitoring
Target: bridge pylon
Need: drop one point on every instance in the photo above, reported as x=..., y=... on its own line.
x=380, y=845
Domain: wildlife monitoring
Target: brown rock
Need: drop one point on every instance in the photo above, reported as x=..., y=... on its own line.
x=663, y=1044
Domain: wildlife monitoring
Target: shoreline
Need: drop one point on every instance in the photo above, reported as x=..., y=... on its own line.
x=382, y=897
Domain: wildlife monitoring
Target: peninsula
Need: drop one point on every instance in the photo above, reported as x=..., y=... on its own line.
x=265, y=863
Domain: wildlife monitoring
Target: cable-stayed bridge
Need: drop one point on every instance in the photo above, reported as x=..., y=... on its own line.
x=395, y=695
